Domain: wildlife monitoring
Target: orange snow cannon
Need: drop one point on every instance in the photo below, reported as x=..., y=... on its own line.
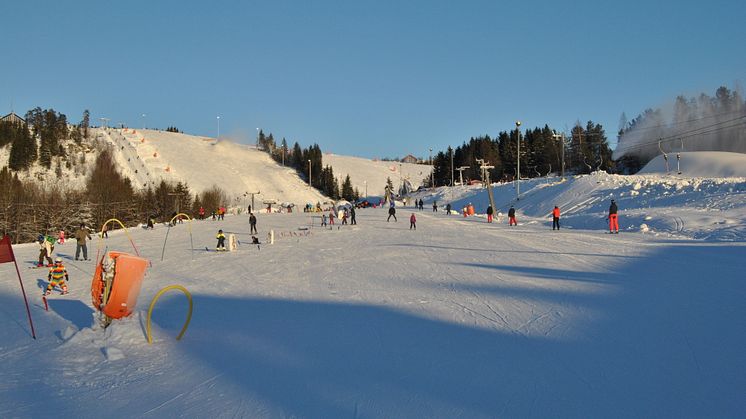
x=116, y=284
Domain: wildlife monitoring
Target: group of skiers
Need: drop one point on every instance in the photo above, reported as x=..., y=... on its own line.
x=58, y=275
x=512, y=221
x=347, y=213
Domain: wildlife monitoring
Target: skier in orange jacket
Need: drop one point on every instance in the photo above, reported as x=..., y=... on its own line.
x=555, y=217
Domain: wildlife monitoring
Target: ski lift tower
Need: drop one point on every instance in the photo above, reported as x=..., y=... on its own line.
x=485, y=167
x=461, y=173
x=252, y=198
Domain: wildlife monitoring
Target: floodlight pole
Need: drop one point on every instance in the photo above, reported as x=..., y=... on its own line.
x=518, y=159
x=561, y=137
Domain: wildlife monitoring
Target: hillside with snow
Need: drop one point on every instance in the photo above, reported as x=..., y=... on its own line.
x=370, y=174
x=456, y=318
x=148, y=156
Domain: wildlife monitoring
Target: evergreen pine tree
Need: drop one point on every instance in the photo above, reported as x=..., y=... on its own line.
x=347, y=192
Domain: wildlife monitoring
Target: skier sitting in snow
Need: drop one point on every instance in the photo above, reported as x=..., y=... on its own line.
x=221, y=240
x=57, y=277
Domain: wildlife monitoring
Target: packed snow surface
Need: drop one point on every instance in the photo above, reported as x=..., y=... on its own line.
x=458, y=318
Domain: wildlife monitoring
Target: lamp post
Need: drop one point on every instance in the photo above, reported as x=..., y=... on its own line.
x=518, y=159
x=561, y=137
x=451, y=150
x=400, y=179
x=309, y=172
x=366, y=188
x=432, y=169
x=218, y=127
x=143, y=121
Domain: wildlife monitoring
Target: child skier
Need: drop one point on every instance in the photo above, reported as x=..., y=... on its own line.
x=46, y=248
x=412, y=222
x=221, y=240
x=323, y=220
x=57, y=277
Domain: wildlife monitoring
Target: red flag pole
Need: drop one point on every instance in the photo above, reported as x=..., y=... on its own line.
x=23, y=291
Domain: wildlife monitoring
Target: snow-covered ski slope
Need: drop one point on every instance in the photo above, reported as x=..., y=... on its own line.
x=456, y=319
x=459, y=318
x=370, y=174
x=147, y=156
x=686, y=205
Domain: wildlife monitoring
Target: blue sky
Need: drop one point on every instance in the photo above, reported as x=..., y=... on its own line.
x=367, y=78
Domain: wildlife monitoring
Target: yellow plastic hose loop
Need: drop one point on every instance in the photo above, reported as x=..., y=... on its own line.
x=152, y=305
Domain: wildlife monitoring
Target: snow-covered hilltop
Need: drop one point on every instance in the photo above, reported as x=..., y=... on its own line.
x=147, y=156
x=372, y=175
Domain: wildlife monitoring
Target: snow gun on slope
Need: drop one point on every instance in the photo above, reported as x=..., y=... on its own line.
x=116, y=285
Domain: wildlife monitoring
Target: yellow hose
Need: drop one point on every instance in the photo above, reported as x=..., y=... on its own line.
x=152, y=305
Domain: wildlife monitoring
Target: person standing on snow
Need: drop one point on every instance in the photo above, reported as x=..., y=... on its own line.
x=555, y=217
x=490, y=211
x=252, y=223
x=221, y=240
x=352, y=216
x=202, y=213
x=46, y=248
x=511, y=217
x=323, y=220
x=412, y=222
x=613, y=218
x=435, y=206
x=392, y=213
x=57, y=277
x=80, y=236
x=448, y=208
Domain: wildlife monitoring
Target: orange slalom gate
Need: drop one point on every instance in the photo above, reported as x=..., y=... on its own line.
x=114, y=289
